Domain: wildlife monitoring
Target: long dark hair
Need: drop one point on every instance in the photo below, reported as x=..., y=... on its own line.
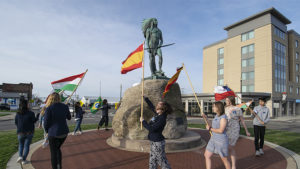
x=220, y=107
x=23, y=106
x=232, y=100
x=167, y=109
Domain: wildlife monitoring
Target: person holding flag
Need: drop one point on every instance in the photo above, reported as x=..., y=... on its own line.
x=235, y=116
x=105, y=106
x=96, y=105
x=218, y=142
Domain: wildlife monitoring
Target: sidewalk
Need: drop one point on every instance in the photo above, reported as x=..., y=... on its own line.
x=90, y=151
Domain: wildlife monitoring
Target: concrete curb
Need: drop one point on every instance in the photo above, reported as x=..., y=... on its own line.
x=293, y=159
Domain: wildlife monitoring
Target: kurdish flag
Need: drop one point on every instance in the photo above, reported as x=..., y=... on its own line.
x=134, y=60
x=97, y=104
x=172, y=81
x=68, y=83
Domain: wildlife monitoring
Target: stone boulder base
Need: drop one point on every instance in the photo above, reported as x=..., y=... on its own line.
x=126, y=122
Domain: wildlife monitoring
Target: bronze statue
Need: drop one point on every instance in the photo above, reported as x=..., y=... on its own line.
x=154, y=41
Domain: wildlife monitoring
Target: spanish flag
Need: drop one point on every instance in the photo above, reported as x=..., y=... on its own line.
x=172, y=81
x=134, y=60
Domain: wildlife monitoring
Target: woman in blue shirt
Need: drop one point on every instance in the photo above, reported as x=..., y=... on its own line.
x=24, y=121
x=78, y=117
x=218, y=142
x=157, y=140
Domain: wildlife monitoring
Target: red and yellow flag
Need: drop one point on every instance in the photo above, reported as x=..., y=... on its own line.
x=172, y=81
x=134, y=60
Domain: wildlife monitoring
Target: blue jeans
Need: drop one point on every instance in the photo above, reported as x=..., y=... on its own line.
x=24, y=144
x=78, y=125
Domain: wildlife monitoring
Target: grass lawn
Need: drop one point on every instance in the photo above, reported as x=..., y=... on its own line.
x=8, y=110
x=4, y=114
x=9, y=141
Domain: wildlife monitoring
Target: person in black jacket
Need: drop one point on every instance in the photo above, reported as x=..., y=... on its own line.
x=157, y=140
x=56, y=126
x=78, y=118
x=104, y=118
x=24, y=121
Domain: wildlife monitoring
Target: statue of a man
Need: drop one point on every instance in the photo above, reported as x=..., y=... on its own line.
x=154, y=41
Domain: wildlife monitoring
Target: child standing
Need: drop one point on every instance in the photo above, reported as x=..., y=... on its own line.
x=261, y=116
x=218, y=142
x=157, y=140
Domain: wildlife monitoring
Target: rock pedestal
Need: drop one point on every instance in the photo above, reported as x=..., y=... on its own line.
x=126, y=122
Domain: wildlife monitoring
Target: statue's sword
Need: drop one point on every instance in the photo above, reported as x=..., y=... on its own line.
x=161, y=46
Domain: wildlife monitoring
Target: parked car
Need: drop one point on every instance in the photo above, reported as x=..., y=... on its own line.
x=4, y=106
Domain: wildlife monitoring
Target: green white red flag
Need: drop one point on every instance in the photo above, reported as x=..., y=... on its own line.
x=68, y=83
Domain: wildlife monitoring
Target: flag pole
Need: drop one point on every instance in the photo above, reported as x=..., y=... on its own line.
x=76, y=87
x=194, y=94
x=142, y=101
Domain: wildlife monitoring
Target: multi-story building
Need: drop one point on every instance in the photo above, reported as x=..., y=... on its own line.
x=259, y=57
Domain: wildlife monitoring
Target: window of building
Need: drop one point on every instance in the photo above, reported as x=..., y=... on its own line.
x=280, y=67
x=247, y=36
x=296, y=43
x=221, y=61
x=221, y=82
x=291, y=89
x=297, y=67
x=297, y=55
x=247, y=75
x=297, y=79
x=221, y=71
x=279, y=33
x=297, y=91
x=247, y=88
x=247, y=62
x=221, y=51
x=247, y=49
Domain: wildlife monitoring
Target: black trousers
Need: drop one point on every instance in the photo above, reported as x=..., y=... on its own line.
x=104, y=119
x=259, y=134
x=55, y=144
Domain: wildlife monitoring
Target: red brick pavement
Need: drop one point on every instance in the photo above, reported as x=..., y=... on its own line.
x=90, y=151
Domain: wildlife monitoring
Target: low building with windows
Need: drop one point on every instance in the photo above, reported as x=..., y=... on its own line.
x=260, y=56
x=11, y=93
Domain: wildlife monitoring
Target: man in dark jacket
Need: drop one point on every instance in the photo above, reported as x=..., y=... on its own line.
x=104, y=118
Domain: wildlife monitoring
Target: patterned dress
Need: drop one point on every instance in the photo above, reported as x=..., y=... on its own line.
x=218, y=142
x=233, y=127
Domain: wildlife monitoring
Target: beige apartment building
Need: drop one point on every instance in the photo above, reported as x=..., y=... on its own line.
x=259, y=57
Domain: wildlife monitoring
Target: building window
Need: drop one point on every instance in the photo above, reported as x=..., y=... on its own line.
x=247, y=75
x=247, y=49
x=297, y=55
x=297, y=67
x=247, y=36
x=279, y=33
x=248, y=88
x=280, y=67
x=221, y=71
x=297, y=91
x=247, y=62
x=291, y=89
x=221, y=82
x=296, y=43
x=221, y=61
x=297, y=79
x=221, y=51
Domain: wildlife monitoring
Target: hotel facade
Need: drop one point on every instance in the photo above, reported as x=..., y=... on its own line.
x=259, y=57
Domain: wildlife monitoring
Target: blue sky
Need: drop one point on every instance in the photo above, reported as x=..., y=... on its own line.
x=43, y=41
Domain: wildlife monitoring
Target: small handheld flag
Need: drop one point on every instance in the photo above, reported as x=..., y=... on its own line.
x=172, y=81
x=221, y=92
x=97, y=104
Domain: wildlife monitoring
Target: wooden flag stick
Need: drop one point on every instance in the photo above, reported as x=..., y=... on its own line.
x=76, y=87
x=204, y=117
x=142, y=100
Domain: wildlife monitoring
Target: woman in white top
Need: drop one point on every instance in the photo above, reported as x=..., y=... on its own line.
x=234, y=115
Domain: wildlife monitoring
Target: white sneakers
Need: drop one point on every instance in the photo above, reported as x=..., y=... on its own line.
x=80, y=132
x=25, y=162
x=19, y=159
x=259, y=152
